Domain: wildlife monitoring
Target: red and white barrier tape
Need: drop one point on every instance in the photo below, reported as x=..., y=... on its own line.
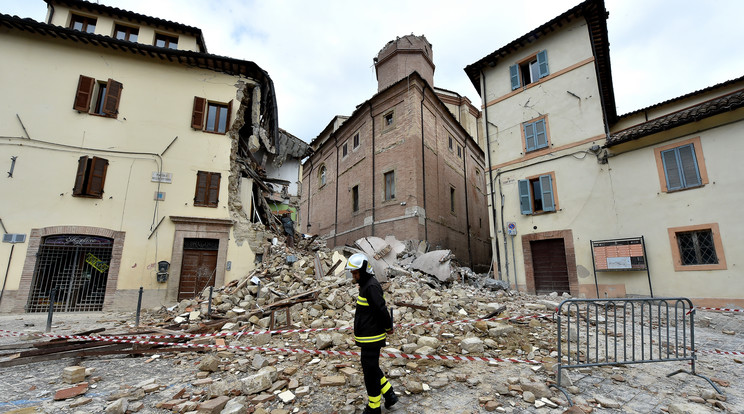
x=284, y=331
x=719, y=309
x=719, y=352
x=284, y=350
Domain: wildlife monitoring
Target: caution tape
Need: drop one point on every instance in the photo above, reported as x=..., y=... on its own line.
x=283, y=350
x=304, y=330
x=720, y=309
x=719, y=352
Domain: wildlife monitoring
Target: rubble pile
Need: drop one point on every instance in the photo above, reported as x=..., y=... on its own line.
x=306, y=288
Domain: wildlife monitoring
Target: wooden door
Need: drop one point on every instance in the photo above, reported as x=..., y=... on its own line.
x=197, y=272
x=549, y=266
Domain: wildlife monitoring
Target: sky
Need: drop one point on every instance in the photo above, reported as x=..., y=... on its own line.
x=319, y=53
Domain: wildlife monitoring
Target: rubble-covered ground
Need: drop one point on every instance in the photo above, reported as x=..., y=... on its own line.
x=239, y=378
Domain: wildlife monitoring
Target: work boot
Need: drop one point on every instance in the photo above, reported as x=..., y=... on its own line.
x=370, y=410
x=390, y=398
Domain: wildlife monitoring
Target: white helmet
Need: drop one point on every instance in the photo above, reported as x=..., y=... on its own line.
x=359, y=261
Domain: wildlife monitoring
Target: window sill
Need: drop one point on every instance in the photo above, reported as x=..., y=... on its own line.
x=88, y=196
x=683, y=189
x=695, y=268
x=205, y=205
x=211, y=132
x=99, y=115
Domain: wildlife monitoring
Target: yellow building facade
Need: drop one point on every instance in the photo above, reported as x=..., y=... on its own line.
x=120, y=136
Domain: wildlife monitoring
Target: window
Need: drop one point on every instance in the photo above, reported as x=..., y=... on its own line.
x=535, y=135
x=356, y=140
x=388, y=120
x=355, y=198
x=681, y=165
x=211, y=116
x=207, y=189
x=107, y=96
x=322, y=175
x=478, y=178
x=697, y=247
x=452, y=200
x=83, y=23
x=389, y=185
x=170, y=42
x=536, y=194
x=90, y=177
x=459, y=151
x=345, y=149
x=529, y=70
x=450, y=143
x=122, y=32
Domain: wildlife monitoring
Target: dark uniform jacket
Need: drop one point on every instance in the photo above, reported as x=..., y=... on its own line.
x=371, y=319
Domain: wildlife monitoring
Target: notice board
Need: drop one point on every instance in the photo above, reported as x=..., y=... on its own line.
x=619, y=254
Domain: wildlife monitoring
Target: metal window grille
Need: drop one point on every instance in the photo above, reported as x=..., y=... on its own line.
x=76, y=266
x=697, y=247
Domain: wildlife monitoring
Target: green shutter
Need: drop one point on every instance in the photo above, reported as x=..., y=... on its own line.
x=542, y=63
x=525, y=198
x=671, y=169
x=529, y=136
x=514, y=75
x=688, y=166
x=546, y=187
x=541, y=138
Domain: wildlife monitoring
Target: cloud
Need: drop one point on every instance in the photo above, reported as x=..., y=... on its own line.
x=319, y=53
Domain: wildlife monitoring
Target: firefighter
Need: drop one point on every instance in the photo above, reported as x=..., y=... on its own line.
x=372, y=324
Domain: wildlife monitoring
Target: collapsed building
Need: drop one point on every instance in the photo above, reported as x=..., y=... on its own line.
x=148, y=162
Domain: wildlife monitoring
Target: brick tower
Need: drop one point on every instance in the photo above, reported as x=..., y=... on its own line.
x=402, y=56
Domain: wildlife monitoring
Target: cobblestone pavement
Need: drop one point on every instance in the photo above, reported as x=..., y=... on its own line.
x=637, y=388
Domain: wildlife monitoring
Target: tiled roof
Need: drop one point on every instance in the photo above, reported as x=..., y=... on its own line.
x=596, y=16
x=189, y=58
x=132, y=16
x=694, y=113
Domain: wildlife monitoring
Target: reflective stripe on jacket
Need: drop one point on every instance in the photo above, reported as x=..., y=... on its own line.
x=371, y=318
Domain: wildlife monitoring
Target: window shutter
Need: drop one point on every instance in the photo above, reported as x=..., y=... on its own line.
x=200, y=197
x=84, y=94
x=97, y=177
x=689, y=167
x=671, y=169
x=214, y=189
x=525, y=198
x=514, y=75
x=229, y=113
x=197, y=116
x=546, y=186
x=542, y=63
x=80, y=176
x=111, y=100
x=529, y=136
x=541, y=138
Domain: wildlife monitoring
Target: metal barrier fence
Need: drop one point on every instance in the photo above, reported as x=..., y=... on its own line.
x=598, y=332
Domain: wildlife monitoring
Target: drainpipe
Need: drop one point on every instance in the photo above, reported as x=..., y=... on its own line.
x=374, y=196
x=423, y=163
x=335, y=217
x=490, y=173
x=467, y=212
x=309, y=194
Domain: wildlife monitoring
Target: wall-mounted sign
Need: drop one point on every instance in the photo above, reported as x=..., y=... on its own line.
x=162, y=177
x=511, y=228
x=619, y=254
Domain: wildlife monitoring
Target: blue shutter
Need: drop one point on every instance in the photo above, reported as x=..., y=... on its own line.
x=529, y=136
x=525, y=198
x=514, y=75
x=541, y=138
x=688, y=166
x=542, y=63
x=671, y=169
x=546, y=186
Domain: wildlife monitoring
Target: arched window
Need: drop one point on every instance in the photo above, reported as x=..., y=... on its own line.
x=322, y=175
